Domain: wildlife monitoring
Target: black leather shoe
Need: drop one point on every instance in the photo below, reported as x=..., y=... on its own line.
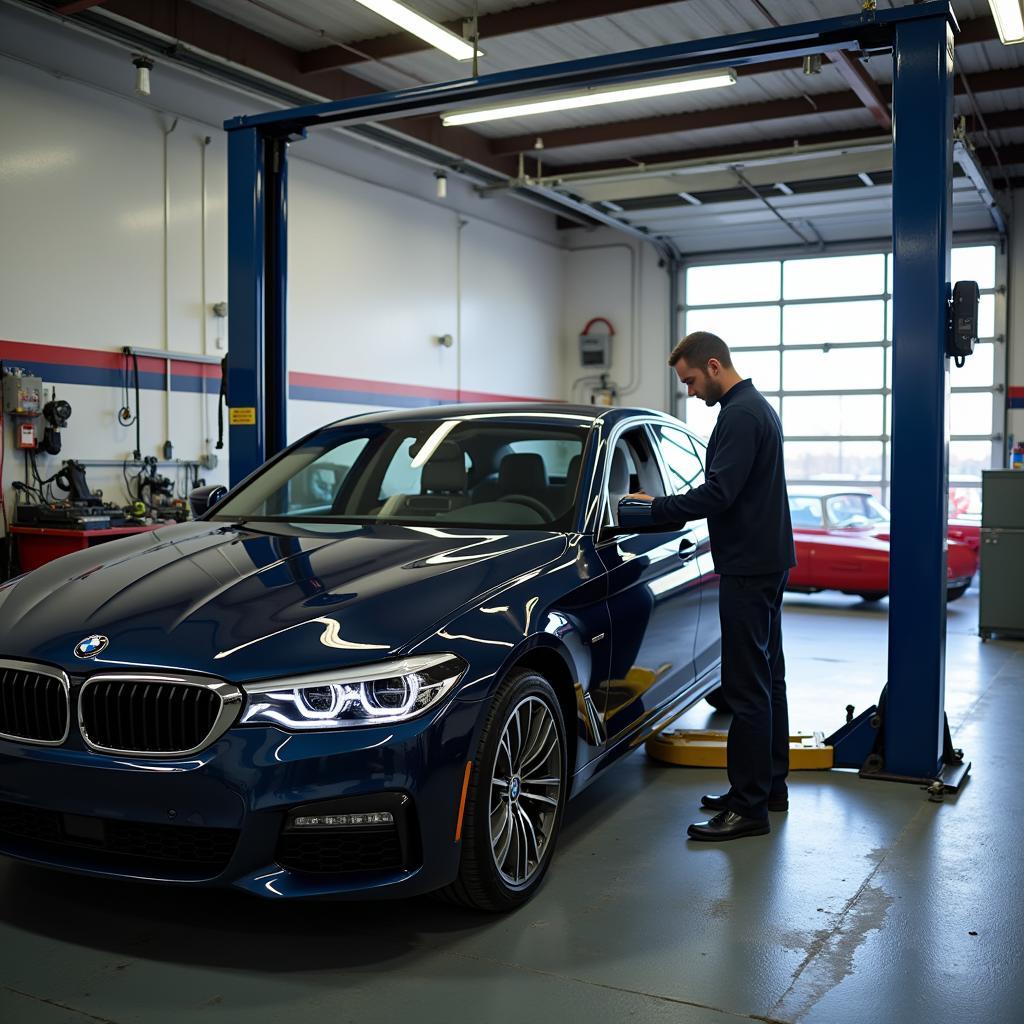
x=721, y=803
x=728, y=825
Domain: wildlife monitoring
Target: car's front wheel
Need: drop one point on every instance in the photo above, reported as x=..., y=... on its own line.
x=515, y=799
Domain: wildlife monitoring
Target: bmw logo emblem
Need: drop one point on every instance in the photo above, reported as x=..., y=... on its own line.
x=91, y=646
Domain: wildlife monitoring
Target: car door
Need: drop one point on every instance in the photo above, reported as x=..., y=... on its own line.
x=684, y=458
x=653, y=594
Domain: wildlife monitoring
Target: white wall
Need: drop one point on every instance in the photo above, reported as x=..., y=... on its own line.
x=614, y=276
x=379, y=268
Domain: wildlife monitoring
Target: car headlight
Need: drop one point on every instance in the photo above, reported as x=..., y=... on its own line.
x=393, y=691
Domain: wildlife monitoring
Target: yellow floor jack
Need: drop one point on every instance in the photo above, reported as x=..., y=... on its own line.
x=856, y=744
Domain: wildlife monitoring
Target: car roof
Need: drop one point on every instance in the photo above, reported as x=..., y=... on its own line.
x=586, y=415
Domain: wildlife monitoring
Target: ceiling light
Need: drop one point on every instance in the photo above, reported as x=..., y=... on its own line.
x=427, y=30
x=143, y=66
x=594, y=97
x=1009, y=17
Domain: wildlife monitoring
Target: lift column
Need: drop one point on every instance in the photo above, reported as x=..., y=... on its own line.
x=922, y=236
x=257, y=385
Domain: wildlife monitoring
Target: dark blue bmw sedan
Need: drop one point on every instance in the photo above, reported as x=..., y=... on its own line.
x=379, y=666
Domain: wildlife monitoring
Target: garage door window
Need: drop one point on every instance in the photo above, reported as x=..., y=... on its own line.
x=815, y=334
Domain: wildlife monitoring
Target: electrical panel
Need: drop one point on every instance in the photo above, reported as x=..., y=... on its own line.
x=23, y=394
x=596, y=351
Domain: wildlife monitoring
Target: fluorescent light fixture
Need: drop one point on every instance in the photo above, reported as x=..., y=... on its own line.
x=594, y=97
x=690, y=198
x=427, y=30
x=1009, y=17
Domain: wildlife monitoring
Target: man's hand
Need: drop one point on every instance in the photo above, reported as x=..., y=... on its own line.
x=639, y=496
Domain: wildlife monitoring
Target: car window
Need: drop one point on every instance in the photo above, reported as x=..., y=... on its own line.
x=848, y=510
x=685, y=469
x=421, y=471
x=632, y=467
x=805, y=512
x=315, y=486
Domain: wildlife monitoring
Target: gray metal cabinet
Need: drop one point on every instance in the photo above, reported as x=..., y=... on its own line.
x=1001, y=609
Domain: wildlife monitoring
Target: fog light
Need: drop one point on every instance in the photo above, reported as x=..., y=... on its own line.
x=342, y=820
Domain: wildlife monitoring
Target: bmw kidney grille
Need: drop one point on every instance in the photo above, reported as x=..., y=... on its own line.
x=155, y=714
x=34, y=703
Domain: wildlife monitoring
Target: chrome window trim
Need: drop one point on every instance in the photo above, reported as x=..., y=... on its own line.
x=230, y=706
x=42, y=670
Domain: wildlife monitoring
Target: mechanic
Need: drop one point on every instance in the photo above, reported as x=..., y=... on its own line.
x=747, y=508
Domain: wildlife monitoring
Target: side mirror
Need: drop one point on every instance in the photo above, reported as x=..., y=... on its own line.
x=202, y=499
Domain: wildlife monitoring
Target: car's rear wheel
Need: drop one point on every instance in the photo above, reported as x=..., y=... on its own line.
x=954, y=593
x=717, y=699
x=515, y=799
x=872, y=595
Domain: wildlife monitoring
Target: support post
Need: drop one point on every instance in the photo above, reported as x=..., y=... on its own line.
x=246, y=288
x=922, y=236
x=275, y=356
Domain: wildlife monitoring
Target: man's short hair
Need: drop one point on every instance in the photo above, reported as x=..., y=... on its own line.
x=698, y=348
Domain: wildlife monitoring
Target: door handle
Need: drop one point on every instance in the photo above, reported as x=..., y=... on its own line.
x=687, y=551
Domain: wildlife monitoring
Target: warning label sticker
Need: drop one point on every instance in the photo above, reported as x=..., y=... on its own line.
x=243, y=416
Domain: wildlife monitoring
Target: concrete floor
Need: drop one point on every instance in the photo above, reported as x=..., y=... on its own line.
x=866, y=903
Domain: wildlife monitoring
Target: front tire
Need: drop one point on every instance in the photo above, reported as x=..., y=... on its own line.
x=955, y=593
x=516, y=796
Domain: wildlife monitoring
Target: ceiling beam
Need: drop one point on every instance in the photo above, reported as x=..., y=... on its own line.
x=188, y=23
x=1012, y=154
x=996, y=121
x=864, y=87
x=821, y=103
x=501, y=23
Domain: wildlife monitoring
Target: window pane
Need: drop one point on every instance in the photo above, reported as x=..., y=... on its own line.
x=699, y=417
x=732, y=282
x=978, y=371
x=834, y=322
x=810, y=370
x=968, y=458
x=763, y=367
x=834, y=275
x=987, y=316
x=740, y=327
x=975, y=263
x=970, y=414
x=831, y=460
x=684, y=468
x=832, y=414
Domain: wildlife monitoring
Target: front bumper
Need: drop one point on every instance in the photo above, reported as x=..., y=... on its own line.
x=217, y=818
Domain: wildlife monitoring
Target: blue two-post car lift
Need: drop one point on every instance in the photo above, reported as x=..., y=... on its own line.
x=908, y=739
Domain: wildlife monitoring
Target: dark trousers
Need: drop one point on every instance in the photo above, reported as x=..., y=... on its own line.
x=754, y=684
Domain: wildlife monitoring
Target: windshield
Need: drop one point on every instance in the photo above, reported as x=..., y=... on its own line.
x=853, y=510
x=511, y=474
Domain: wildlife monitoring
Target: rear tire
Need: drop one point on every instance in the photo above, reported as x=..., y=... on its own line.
x=717, y=699
x=516, y=796
x=873, y=595
x=955, y=593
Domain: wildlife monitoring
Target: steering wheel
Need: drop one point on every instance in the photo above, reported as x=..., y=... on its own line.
x=533, y=503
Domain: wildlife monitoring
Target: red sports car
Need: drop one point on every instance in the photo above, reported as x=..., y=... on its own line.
x=842, y=543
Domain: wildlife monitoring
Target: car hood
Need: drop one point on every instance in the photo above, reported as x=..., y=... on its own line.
x=244, y=603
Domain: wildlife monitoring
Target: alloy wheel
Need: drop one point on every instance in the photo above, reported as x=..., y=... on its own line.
x=526, y=786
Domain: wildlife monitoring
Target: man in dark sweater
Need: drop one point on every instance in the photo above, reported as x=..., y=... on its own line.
x=745, y=502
